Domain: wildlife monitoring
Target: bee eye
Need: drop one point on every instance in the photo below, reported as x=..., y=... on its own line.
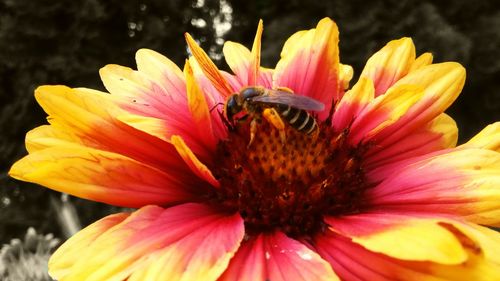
x=232, y=104
x=232, y=107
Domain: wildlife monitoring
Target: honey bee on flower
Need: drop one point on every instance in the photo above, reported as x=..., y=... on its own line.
x=382, y=192
x=276, y=106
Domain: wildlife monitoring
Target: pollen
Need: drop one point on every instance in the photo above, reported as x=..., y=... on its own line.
x=289, y=186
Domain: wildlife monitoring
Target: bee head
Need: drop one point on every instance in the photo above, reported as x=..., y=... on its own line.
x=251, y=92
x=233, y=106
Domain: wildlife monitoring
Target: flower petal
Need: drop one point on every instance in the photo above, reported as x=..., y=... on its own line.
x=440, y=133
x=383, y=111
x=488, y=138
x=481, y=241
x=103, y=176
x=199, y=110
x=309, y=64
x=463, y=182
x=186, y=242
x=238, y=58
x=137, y=93
x=266, y=77
x=194, y=164
x=386, y=121
x=389, y=64
x=422, y=60
x=212, y=96
x=70, y=252
x=276, y=257
x=160, y=69
x=401, y=236
x=352, y=103
x=253, y=73
x=209, y=69
x=441, y=84
x=151, y=125
x=160, y=110
x=345, y=75
x=91, y=116
x=48, y=136
x=349, y=260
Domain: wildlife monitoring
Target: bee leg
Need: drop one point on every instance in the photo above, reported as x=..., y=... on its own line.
x=272, y=117
x=284, y=89
x=253, y=130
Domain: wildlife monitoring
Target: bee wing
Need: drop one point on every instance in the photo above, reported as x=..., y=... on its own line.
x=293, y=100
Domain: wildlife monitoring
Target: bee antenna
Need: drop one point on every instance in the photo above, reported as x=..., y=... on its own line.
x=217, y=104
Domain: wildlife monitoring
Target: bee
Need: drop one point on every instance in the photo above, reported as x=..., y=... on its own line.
x=277, y=106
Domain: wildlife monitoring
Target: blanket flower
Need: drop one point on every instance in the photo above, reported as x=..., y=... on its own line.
x=381, y=191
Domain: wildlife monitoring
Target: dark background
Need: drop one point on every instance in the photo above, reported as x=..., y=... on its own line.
x=66, y=42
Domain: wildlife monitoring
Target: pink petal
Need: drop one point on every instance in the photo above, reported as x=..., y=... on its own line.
x=139, y=94
x=266, y=77
x=276, y=257
x=93, y=118
x=309, y=64
x=238, y=57
x=464, y=182
x=352, y=103
x=379, y=173
x=105, y=177
x=440, y=133
x=162, y=71
x=186, y=242
x=163, y=102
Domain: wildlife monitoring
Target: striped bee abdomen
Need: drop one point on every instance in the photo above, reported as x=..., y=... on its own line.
x=299, y=119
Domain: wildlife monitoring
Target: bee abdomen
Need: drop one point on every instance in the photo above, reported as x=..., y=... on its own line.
x=297, y=118
x=311, y=126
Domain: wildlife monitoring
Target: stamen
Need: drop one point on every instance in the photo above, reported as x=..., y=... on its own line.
x=289, y=187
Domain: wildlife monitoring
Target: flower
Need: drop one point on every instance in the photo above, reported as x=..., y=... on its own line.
x=27, y=259
x=381, y=192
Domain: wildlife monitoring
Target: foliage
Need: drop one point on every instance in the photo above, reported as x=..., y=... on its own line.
x=27, y=259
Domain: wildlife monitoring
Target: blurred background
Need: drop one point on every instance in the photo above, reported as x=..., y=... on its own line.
x=66, y=42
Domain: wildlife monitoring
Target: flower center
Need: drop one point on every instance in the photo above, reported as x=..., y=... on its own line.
x=289, y=186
